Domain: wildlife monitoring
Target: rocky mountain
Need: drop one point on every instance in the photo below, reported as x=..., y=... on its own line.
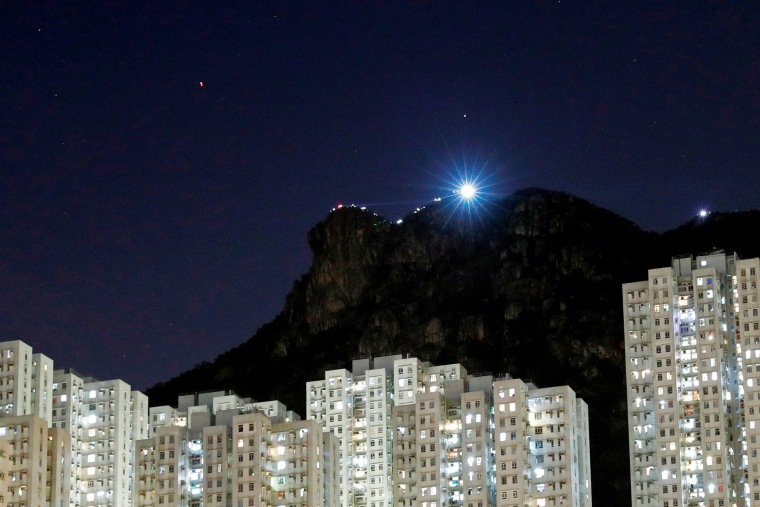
x=531, y=286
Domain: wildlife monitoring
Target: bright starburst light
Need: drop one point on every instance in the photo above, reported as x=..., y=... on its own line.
x=467, y=191
x=470, y=190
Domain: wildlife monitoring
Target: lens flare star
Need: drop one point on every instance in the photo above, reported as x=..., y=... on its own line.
x=470, y=190
x=467, y=191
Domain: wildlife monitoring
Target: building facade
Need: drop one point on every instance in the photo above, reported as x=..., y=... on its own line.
x=692, y=342
x=392, y=432
x=218, y=449
x=25, y=379
x=414, y=434
x=37, y=462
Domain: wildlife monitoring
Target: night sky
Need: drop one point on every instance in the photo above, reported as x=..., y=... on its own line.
x=162, y=162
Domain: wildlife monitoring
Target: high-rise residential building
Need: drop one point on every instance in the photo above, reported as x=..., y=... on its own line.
x=356, y=408
x=37, y=458
x=692, y=342
x=105, y=420
x=145, y=472
x=97, y=421
x=218, y=449
x=67, y=413
x=59, y=467
x=25, y=379
x=113, y=418
x=414, y=434
x=5, y=469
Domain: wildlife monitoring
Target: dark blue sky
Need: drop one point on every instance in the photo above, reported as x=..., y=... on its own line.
x=148, y=223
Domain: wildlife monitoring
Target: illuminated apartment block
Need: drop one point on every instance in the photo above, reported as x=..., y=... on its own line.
x=356, y=407
x=145, y=473
x=693, y=362
x=58, y=468
x=5, y=468
x=747, y=322
x=252, y=450
x=25, y=380
x=164, y=471
x=36, y=462
x=226, y=450
x=97, y=422
x=104, y=419
x=404, y=427
x=171, y=465
x=477, y=448
x=113, y=419
x=458, y=439
x=502, y=442
x=217, y=444
x=67, y=415
x=558, y=431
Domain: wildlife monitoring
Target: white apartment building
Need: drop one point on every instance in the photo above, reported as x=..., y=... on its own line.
x=25, y=379
x=37, y=458
x=101, y=422
x=747, y=322
x=113, y=418
x=58, y=468
x=163, y=469
x=559, y=442
x=452, y=439
x=145, y=472
x=356, y=408
x=692, y=367
x=105, y=420
x=67, y=412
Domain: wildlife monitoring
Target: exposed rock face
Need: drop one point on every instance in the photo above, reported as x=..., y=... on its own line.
x=531, y=288
x=346, y=252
